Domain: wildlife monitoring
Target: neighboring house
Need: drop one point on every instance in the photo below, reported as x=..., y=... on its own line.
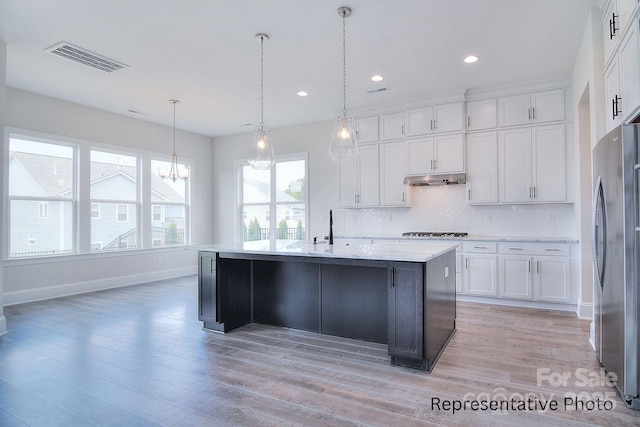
x=37, y=224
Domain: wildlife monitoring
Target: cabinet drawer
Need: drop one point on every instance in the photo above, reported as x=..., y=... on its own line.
x=480, y=247
x=548, y=249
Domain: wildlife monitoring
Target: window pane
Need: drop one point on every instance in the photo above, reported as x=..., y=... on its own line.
x=113, y=176
x=291, y=222
x=290, y=181
x=171, y=230
x=32, y=235
x=256, y=222
x=114, y=228
x=166, y=190
x=39, y=169
x=256, y=185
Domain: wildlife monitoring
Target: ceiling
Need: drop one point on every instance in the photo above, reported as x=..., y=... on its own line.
x=205, y=54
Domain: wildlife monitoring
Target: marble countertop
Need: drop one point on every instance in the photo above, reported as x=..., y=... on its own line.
x=381, y=250
x=472, y=237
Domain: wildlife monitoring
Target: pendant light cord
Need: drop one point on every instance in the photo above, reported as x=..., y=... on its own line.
x=262, y=82
x=344, y=64
x=174, y=101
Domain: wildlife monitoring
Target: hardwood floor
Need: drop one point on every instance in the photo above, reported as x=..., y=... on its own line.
x=137, y=356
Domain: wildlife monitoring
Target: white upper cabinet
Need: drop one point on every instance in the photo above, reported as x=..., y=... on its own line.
x=613, y=98
x=530, y=108
x=439, y=154
x=482, y=168
x=391, y=126
x=615, y=19
x=366, y=129
x=482, y=114
x=358, y=183
x=532, y=165
x=629, y=74
x=434, y=119
x=392, y=173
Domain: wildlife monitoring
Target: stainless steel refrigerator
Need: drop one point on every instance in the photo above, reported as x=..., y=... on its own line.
x=616, y=235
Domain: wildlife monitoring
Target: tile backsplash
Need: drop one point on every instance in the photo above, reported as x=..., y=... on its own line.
x=444, y=208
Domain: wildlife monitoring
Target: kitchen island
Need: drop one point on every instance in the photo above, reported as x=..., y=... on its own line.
x=402, y=295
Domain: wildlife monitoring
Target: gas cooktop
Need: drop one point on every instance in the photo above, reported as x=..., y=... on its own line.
x=435, y=234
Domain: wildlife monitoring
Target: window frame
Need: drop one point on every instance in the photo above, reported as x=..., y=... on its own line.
x=272, y=204
x=80, y=197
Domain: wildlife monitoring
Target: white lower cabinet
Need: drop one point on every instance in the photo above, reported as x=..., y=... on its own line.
x=479, y=268
x=525, y=271
x=535, y=271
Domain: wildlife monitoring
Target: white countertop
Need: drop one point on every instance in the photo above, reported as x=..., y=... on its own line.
x=384, y=251
x=472, y=237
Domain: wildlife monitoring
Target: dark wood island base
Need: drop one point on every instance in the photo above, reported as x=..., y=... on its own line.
x=410, y=306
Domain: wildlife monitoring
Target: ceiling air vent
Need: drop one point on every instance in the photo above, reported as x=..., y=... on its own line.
x=380, y=89
x=86, y=57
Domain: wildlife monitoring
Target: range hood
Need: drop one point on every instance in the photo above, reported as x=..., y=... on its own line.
x=436, y=179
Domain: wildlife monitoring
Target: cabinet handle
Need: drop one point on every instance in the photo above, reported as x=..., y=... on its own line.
x=469, y=194
x=612, y=26
x=355, y=199
x=435, y=124
x=213, y=265
x=393, y=277
x=403, y=197
x=435, y=164
x=529, y=112
x=533, y=113
x=479, y=247
x=529, y=266
x=538, y=267
x=468, y=121
x=529, y=192
x=516, y=249
x=615, y=106
x=466, y=263
x=402, y=131
x=552, y=250
x=534, y=191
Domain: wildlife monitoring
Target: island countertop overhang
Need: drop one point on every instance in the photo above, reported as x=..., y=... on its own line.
x=377, y=251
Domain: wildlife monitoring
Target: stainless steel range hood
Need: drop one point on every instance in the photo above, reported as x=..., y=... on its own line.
x=436, y=179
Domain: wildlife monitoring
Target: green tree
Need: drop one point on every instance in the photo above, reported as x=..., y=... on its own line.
x=282, y=229
x=172, y=234
x=254, y=232
x=299, y=231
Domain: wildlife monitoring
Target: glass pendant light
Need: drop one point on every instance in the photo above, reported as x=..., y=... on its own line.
x=262, y=155
x=343, y=146
x=173, y=172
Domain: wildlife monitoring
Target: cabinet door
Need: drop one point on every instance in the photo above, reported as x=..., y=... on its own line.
x=549, y=180
x=392, y=159
x=625, y=11
x=551, y=279
x=629, y=76
x=515, y=277
x=482, y=167
x=405, y=310
x=514, y=162
x=419, y=121
x=348, y=183
x=448, y=117
x=367, y=129
x=612, y=92
x=547, y=106
x=419, y=156
x=391, y=126
x=369, y=176
x=514, y=110
x=482, y=114
x=609, y=34
x=480, y=274
x=207, y=287
x=448, y=152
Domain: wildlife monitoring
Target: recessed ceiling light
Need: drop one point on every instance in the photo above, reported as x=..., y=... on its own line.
x=377, y=78
x=470, y=59
x=302, y=93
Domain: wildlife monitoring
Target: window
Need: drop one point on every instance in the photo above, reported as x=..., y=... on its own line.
x=268, y=199
x=114, y=191
x=44, y=210
x=53, y=181
x=41, y=185
x=95, y=210
x=169, y=211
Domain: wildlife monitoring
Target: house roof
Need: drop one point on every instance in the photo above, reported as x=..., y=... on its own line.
x=53, y=174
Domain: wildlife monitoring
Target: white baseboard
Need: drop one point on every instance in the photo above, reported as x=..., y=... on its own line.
x=585, y=310
x=517, y=303
x=37, y=294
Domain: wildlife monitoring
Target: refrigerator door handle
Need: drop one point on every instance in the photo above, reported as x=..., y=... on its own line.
x=599, y=232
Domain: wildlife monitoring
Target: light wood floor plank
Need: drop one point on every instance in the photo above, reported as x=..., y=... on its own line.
x=138, y=356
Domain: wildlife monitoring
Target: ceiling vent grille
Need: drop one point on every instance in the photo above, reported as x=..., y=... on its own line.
x=380, y=89
x=86, y=57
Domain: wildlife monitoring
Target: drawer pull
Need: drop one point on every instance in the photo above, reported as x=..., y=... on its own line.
x=479, y=247
x=552, y=250
x=516, y=249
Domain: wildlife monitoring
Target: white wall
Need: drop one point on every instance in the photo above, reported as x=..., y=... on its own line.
x=3, y=96
x=26, y=280
x=589, y=126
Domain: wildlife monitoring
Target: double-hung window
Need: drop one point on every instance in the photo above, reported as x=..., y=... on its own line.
x=42, y=197
x=114, y=188
x=273, y=203
x=169, y=206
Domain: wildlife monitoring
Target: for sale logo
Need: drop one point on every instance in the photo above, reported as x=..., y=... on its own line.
x=582, y=377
